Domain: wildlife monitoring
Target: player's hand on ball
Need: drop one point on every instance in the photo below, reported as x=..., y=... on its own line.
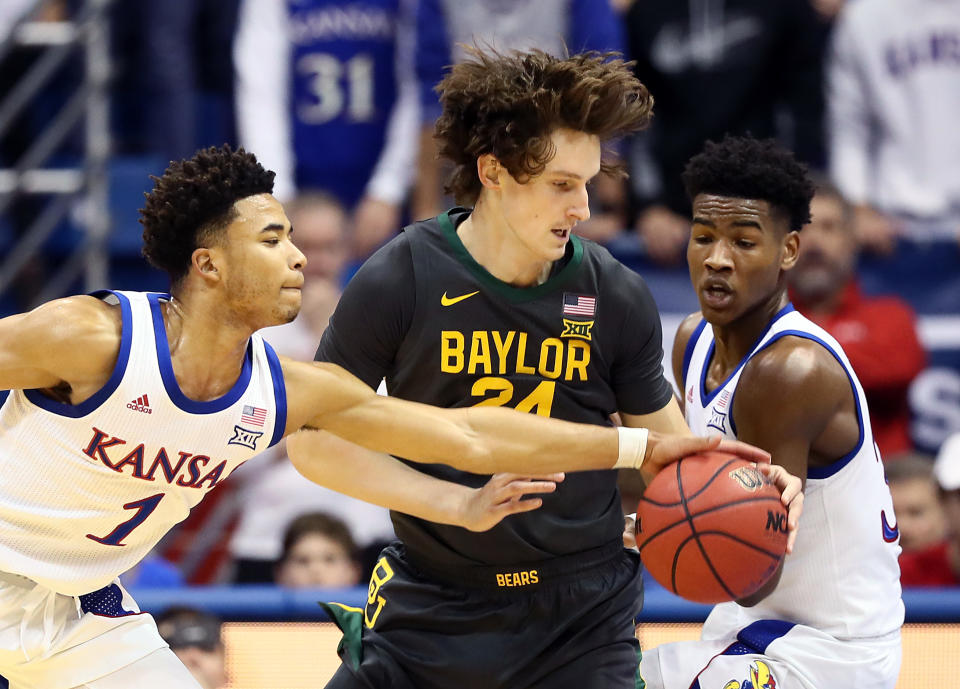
x=791, y=495
x=665, y=448
x=630, y=531
x=504, y=495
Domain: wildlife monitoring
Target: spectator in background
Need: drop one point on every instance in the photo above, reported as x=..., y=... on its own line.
x=187, y=75
x=194, y=636
x=916, y=501
x=559, y=27
x=318, y=552
x=893, y=94
x=326, y=97
x=879, y=334
x=273, y=491
x=716, y=67
x=939, y=565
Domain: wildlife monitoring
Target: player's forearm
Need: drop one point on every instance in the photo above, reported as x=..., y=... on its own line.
x=376, y=478
x=503, y=440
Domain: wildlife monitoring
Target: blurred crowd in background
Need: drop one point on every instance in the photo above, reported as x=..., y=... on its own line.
x=337, y=97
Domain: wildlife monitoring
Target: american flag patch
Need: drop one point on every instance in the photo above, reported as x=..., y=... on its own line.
x=255, y=416
x=579, y=304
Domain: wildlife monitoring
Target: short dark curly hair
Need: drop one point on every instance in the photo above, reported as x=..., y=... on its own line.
x=193, y=200
x=748, y=168
x=509, y=104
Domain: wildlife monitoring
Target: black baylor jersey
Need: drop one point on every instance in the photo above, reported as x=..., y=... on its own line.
x=586, y=343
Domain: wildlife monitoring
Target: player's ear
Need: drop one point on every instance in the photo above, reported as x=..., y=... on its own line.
x=791, y=250
x=204, y=261
x=489, y=170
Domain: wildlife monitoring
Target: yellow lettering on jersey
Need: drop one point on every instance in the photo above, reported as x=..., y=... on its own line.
x=555, y=358
x=382, y=573
x=502, y=386
x=479, y=352
x=503, y=348
x=550, y=346
x=540, y=401
x=578, y=358
x=451, y=351
x=511, y=579
x=581, y=329
x=522, y=367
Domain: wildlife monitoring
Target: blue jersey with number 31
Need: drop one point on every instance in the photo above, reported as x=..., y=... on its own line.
x=343, y=88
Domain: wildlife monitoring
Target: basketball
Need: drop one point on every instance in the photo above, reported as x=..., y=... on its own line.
x=711, y=528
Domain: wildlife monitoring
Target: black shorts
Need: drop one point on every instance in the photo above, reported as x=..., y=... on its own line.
x=566, y=623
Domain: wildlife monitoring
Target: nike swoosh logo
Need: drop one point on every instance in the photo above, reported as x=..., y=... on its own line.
x=450, y=301
x=890, y=533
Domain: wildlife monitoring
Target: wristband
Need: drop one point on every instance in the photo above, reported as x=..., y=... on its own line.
x=632, y=446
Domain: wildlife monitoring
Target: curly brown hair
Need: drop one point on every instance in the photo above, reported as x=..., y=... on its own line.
x=193, y=200
x=509, y=105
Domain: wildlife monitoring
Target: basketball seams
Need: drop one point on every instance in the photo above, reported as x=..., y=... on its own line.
x=741, y=541
x=694, y=534
x=707, y=510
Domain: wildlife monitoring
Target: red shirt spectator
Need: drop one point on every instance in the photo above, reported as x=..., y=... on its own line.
x=878, y=334
x=928, y=567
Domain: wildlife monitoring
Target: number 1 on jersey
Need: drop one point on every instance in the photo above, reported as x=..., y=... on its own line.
x=144, y=509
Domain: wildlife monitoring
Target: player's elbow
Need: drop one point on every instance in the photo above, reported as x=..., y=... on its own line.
x=296, y=449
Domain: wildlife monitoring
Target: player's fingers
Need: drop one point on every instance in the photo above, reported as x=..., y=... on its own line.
x=744, y=451
x=788, y=484
x=517, y=506
x=518, y=488
x=794, y=510
x=506, y=477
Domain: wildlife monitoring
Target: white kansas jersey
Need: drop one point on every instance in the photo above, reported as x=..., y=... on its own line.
x=89, y=489
x=842, y=577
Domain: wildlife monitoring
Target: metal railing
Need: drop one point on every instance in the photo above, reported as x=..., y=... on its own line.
x=86, y=33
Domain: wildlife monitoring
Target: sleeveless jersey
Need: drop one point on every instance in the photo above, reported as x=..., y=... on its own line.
x=343, y=87
x=89, y=489
x=578, y=347
x=842, y=577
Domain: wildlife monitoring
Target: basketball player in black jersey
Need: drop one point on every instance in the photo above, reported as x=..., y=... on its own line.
x=502, y=305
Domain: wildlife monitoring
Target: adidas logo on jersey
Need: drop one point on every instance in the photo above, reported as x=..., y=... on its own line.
x=141, y=404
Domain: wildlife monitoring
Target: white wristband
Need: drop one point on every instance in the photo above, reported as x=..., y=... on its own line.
x=632, y=447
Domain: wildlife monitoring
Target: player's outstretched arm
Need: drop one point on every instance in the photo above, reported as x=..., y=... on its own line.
x=74, y=341
x=382, y=480
x=483, y=440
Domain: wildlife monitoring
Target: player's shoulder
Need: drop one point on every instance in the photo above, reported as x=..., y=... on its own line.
x=685, y=330
x=391, y=262
x=614, y=277
x=797, y=367
x=79, y=317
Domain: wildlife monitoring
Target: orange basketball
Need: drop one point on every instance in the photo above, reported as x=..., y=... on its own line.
x=711, y=528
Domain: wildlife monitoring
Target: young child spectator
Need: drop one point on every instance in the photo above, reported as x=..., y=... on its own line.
x=194, y=636
x=916, y=501
x=939, y=565
x=318, y=552
x=879, y=334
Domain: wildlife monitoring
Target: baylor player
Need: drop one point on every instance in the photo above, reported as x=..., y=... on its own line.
x=502, y=306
